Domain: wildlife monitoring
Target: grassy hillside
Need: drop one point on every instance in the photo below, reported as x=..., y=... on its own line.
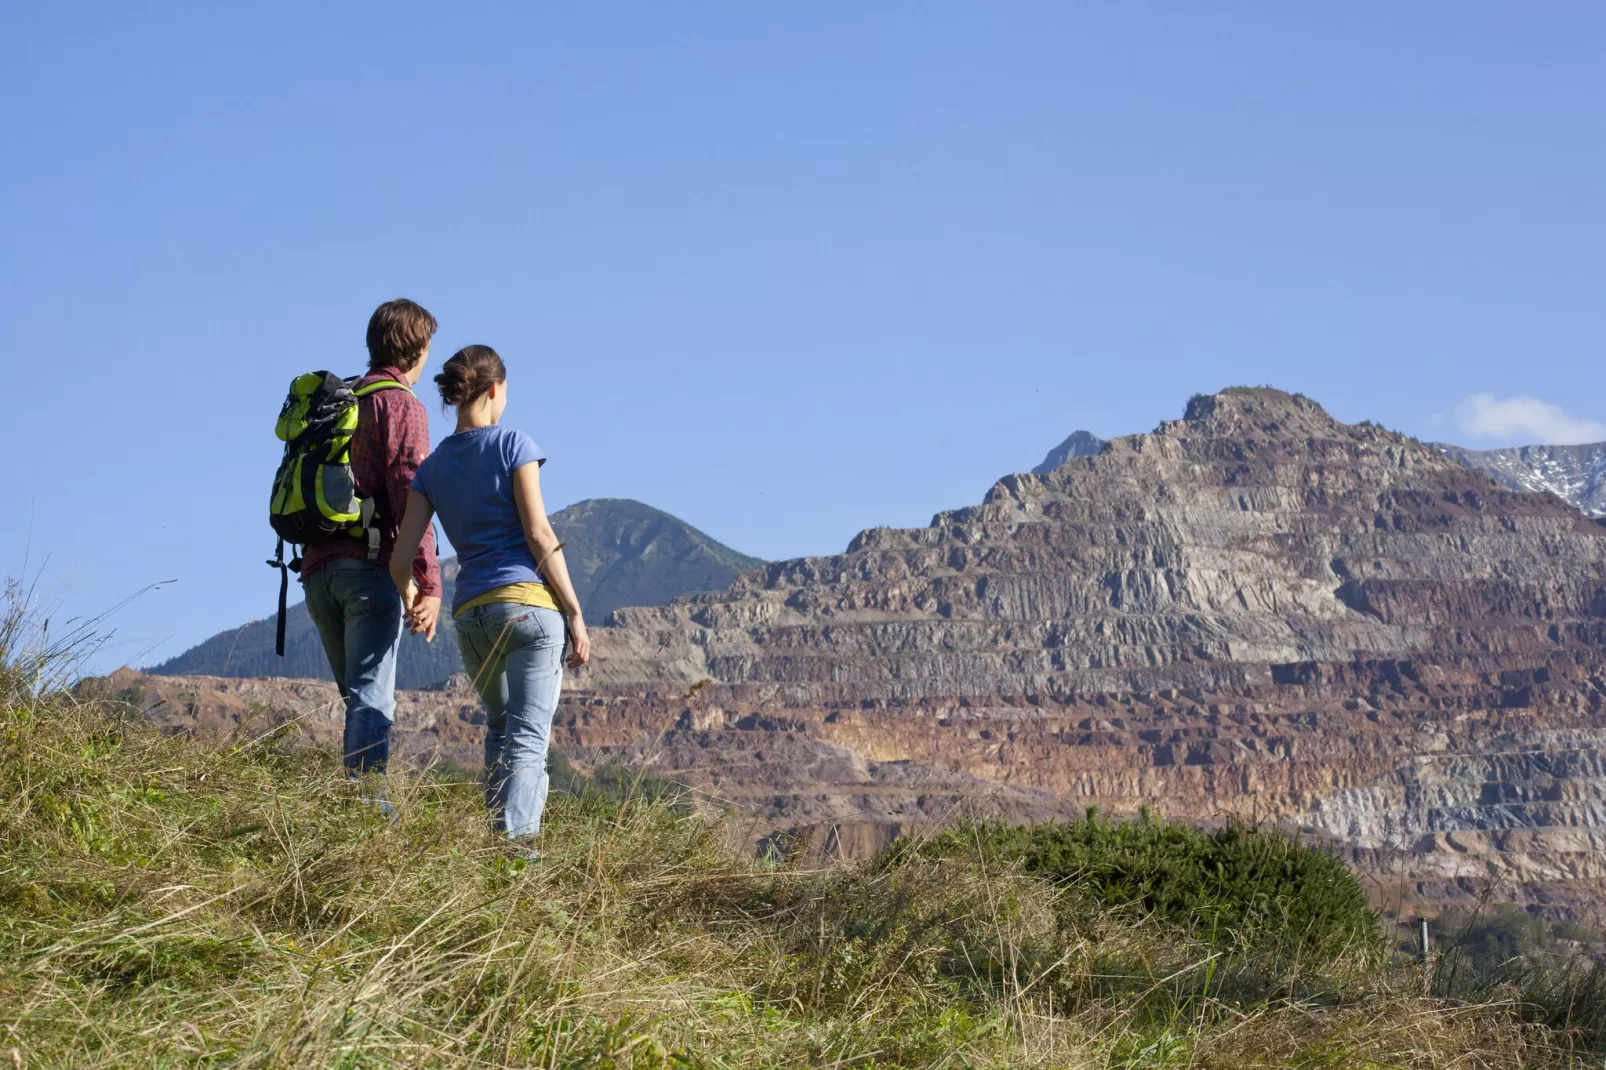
x=164, y=904
x=620, y=552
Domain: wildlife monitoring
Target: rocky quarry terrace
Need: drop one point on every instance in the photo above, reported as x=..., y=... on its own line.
x=1255, y=610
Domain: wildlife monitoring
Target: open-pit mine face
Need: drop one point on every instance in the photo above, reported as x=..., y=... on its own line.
x=1255, y=610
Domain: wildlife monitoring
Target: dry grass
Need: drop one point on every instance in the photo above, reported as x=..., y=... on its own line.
x=165, y=904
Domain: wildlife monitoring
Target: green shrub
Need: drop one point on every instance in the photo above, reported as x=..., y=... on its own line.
x=1570, y=998
x=1250, y=886
x=613, y=783
x=1479, y=954
x=1475, y=945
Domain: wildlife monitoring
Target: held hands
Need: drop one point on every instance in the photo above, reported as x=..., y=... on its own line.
x=426, y=615
x=423, y=611
x=579, y=642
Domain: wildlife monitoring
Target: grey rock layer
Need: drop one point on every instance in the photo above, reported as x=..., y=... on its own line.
x=1254, y=610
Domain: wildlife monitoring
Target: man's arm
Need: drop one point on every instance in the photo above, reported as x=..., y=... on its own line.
x=407, y=446
x=422, y=612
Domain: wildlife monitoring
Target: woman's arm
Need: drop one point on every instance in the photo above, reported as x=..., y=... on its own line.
x=423, y=611
x=544, y=545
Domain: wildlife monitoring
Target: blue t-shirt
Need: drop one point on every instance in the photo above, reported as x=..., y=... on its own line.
x=469, y=480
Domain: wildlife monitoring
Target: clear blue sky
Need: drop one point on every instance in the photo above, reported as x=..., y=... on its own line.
x=786, y=271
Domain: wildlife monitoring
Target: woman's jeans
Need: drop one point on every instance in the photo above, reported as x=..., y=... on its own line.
x=514, y=655
x=359, y=617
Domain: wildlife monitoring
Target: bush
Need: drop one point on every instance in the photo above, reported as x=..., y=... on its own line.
x=1570, y=998
x=616, y=784
x=1478, y=944
x=1246, y=885
x=1480, y=954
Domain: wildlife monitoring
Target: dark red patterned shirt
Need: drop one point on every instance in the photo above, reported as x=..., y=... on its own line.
x=392, y=439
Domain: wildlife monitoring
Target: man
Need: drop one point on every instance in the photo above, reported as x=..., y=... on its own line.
x=349, y=596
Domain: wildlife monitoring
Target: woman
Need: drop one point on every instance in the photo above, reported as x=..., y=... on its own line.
x=513, y=596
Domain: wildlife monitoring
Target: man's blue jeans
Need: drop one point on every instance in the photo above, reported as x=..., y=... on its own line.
x=359, y=617
x=514, y=655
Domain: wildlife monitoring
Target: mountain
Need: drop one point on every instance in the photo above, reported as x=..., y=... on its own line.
x=1254, y=611
x=1576, y=474
x=623, y=553
x=1080, y=444
x=619, y=552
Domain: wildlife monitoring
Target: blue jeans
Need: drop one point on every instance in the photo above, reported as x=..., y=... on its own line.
x=359, y=617
x=514, y=655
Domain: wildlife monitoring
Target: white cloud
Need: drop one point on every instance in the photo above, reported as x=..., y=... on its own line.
x=1529, y=419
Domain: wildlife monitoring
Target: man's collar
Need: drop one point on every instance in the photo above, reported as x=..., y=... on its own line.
x=389, y=371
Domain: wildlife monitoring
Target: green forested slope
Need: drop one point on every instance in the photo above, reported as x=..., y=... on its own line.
x=620, y=552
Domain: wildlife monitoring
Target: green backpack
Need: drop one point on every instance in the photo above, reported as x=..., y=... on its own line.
x=315, y=491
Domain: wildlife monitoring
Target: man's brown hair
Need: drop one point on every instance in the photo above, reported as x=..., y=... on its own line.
x=398, y=331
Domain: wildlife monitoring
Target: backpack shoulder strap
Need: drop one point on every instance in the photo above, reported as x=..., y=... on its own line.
x=381, y=384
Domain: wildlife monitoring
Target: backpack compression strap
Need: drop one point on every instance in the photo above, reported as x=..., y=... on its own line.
x=278, y=562
x=370, y=528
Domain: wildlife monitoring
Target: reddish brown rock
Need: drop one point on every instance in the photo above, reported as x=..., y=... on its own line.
x=1255, y=610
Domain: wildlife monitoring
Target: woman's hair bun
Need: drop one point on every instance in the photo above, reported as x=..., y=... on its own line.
x=469, y=374
x=456, y=382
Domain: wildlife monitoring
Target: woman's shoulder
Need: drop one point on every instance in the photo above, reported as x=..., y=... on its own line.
x=518, y=448
x=449, y=453
x=507, y=431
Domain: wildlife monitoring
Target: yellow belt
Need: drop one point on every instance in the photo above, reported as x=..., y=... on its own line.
x=523, y=594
